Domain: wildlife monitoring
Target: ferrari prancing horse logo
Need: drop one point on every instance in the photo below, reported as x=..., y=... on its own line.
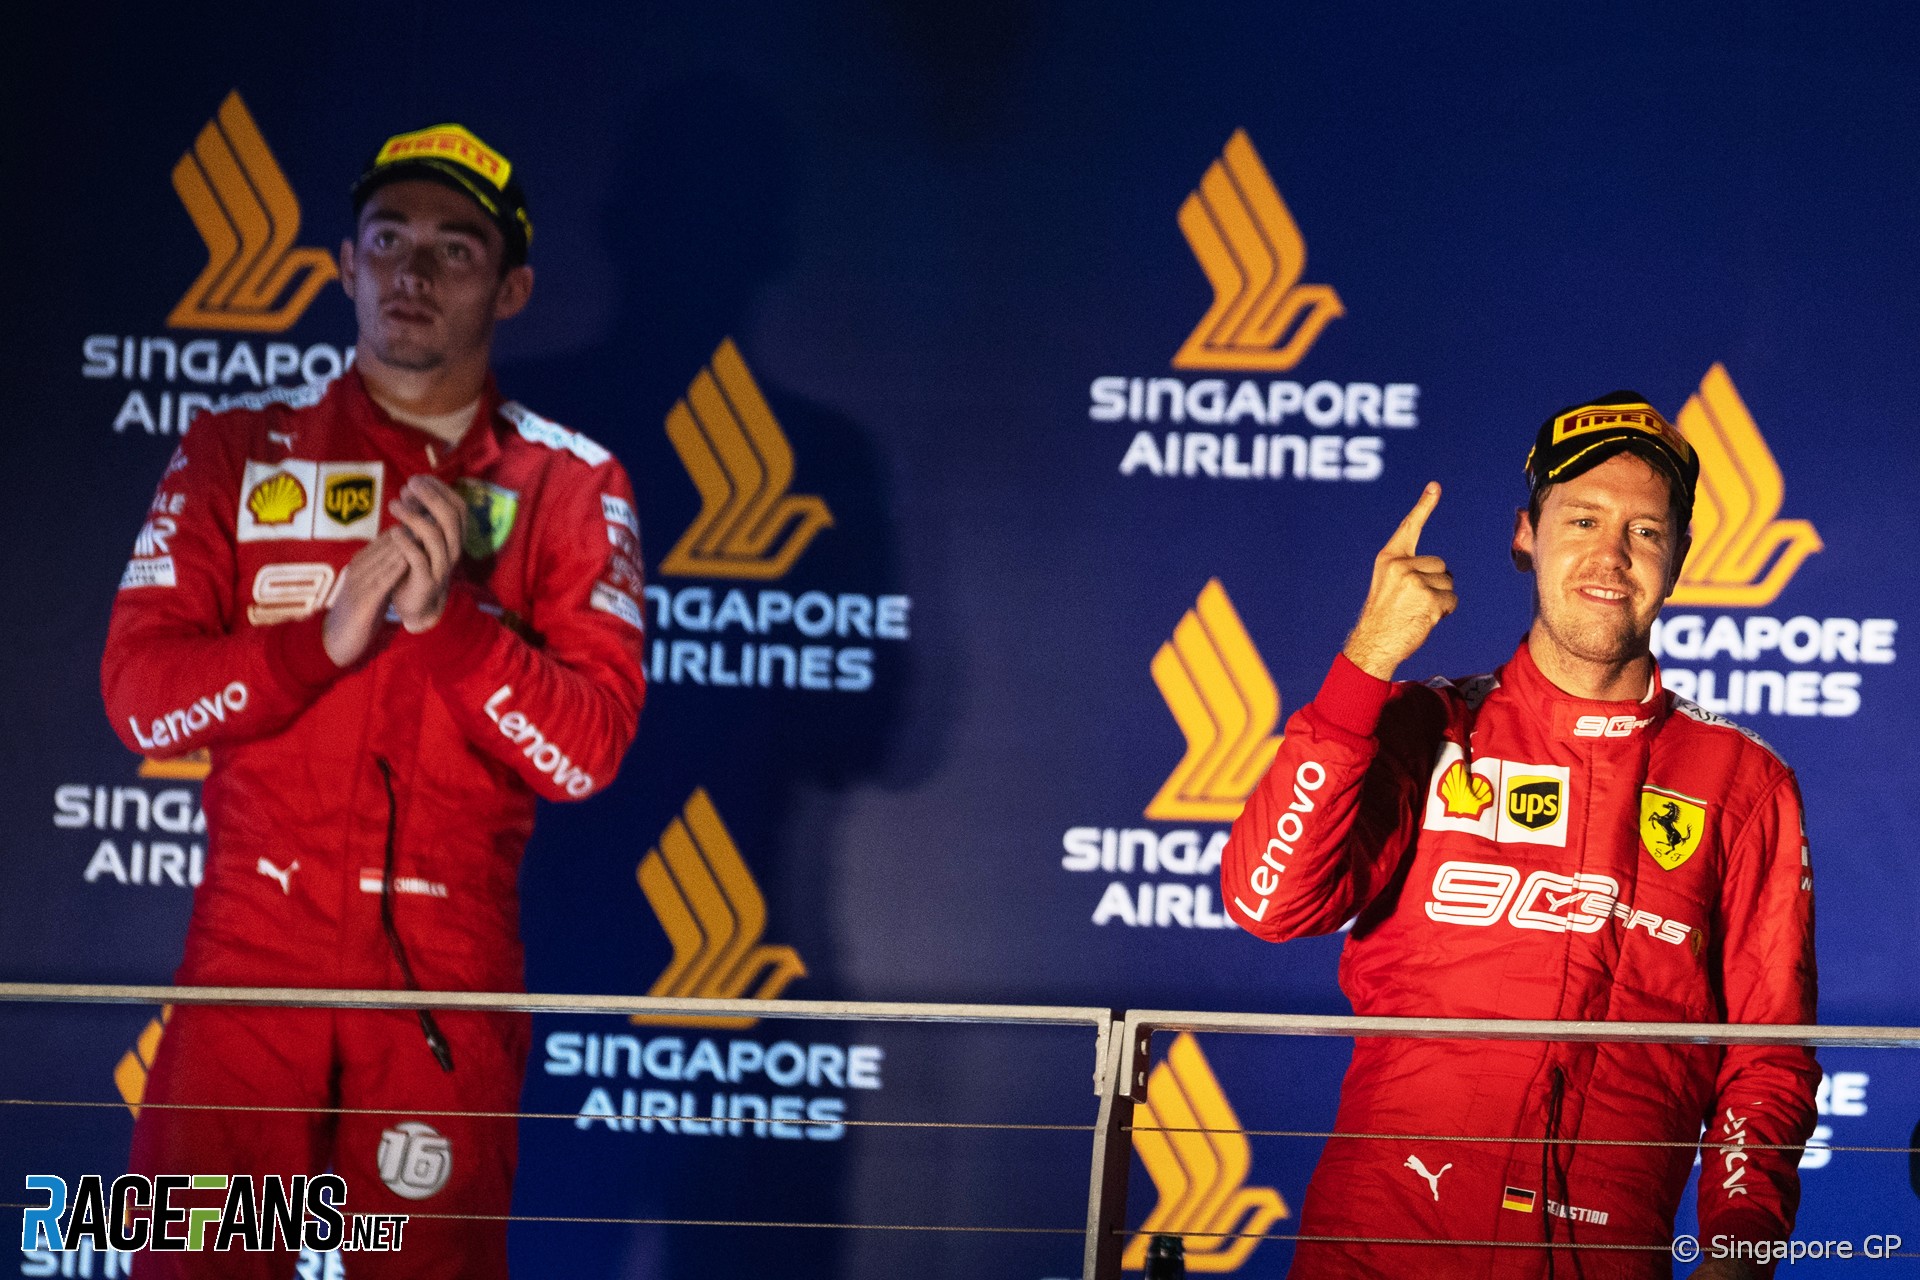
x=1671, y=825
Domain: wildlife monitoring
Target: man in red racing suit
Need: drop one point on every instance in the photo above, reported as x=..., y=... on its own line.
x=1508, y=848
x=366, y=813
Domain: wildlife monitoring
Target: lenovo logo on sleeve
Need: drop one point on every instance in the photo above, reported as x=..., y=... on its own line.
x=174, y=728
x=546, y=757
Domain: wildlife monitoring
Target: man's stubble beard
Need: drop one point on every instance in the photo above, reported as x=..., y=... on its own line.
x=412, y=360
x=431, y=351
x=1592, y=642
x=417, y=357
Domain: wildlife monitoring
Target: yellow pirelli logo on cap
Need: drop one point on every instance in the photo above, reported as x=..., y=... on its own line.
x=447, y=142
x=1634, y=417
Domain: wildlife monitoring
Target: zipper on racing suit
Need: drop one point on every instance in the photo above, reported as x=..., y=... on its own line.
x=1553, y=1171
x=436, y=1042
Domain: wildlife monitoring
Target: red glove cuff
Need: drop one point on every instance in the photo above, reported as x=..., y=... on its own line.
x=1350, y=699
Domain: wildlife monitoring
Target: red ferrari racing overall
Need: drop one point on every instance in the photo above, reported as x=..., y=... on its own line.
x=409, y=779
x=1506, y=850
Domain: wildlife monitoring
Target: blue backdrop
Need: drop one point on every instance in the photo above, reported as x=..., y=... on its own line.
x=1108, y=344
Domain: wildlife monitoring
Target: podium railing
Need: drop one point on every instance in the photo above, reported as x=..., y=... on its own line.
x=1121, y=1052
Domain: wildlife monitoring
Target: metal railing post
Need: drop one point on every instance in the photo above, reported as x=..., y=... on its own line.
x=1124, y=1073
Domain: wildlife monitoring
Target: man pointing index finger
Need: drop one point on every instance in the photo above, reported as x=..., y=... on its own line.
x=1559, y=838
x=1409, y=595
x=1406, y=538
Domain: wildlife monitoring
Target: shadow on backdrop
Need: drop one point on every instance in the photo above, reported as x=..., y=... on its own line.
x=698, y=203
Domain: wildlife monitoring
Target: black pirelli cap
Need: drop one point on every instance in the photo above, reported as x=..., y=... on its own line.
x=451, y=155
x=1579, y=438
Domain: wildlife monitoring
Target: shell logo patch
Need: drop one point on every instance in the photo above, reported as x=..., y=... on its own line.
x=277, y=499
x=1671, y=825
x=1465, y=794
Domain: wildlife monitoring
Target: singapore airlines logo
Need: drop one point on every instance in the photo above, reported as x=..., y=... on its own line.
x=1742, y=553
x=732, y=446
x=714, y=915
x=1254, y=255
x=1198, y=1157
x=255, y=278
x=130, y=1076
x=1225, y=703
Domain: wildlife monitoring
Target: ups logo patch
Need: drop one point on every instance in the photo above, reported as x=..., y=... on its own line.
x=1534, y=803
x=348, y=498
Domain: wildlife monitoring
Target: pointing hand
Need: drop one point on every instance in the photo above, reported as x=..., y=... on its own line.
x=1409, y=596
